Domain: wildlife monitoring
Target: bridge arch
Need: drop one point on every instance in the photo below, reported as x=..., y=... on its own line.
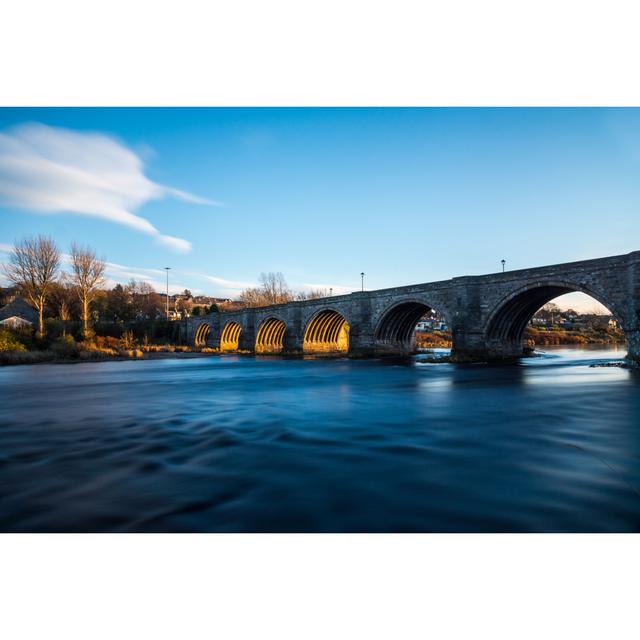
x=202, y=334
x=230, y=336
x=506, y=324
x=327, y=331
x=270, y=337
x=395, y=329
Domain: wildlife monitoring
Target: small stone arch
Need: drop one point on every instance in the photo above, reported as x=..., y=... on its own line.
x=270, y=336
x=230, y=336
x=327, y=331
x=202, y=334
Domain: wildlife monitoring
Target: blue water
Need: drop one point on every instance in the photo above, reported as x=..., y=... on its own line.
x=238, y=443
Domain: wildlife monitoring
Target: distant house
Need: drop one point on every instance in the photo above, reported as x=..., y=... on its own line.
x=594, y=321
x=431, y=324
x=17, y=314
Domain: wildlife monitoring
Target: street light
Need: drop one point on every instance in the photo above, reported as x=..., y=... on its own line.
x=167, y=269
x=503, y=263
x=330, y=291
x=362, y=279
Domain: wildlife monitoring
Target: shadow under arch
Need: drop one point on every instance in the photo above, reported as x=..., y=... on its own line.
x=202, y=334
x=326, y=332
x=230, y=336
x=395, y=330
x=270, y=338
x=505, y=327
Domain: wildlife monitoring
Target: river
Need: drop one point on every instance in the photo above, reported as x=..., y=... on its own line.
x=257, y=444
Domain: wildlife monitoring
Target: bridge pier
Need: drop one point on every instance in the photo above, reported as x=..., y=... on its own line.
x=488, y=353
x=394, y=348
x=361, y=343
x=633, y=346
x=472, y=345
x=247, y=341
x=292, y=343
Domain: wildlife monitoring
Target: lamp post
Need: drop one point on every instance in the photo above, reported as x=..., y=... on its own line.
x=362, y=281
x=167, y=270
x=503, y=263
x=330, y=291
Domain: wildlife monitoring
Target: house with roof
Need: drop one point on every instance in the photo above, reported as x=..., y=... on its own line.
x=18, y=314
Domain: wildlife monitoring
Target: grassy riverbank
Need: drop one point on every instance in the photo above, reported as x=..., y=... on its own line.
x=23, y=349
x=433, y=339
x=85, y=353
x=535, y=337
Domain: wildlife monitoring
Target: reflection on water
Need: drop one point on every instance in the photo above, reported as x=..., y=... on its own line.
x=267, y=444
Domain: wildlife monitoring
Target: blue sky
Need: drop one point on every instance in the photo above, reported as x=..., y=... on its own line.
x=405, y=195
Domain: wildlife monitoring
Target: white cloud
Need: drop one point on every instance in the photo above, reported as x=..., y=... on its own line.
x=121, y=274
x=52, y=170
x=227, y=284
x=224, y=288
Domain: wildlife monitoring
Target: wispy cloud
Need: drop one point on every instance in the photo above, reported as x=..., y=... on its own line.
x=136, y=273
x=119, y=274
x=227, y=284
x=52, y=170
x=223, y=287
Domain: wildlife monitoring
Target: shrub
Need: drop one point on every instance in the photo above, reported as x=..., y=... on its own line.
x=433, y=339
x=130, y=353
x=65, y=347
x=10, y=342
x=107, y=342
x=128, y=339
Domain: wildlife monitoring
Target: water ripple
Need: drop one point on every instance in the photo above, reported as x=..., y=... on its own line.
x=251, y=444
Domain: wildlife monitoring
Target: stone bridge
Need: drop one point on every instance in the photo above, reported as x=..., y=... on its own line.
x=487, y=314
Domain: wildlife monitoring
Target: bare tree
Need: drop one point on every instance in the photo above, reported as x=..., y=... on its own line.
x=184, y=306
x=62, y=297
x=87, y=278
x=273, y=289
x=549, y=312
x=33, y=266
x=252, y=297
x=312, y=294
x=145, y=301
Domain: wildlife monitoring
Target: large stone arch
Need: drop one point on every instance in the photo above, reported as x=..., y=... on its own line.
x=394, y=327
x=506, y=322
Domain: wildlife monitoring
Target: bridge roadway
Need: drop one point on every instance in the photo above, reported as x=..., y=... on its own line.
x=487, y=314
